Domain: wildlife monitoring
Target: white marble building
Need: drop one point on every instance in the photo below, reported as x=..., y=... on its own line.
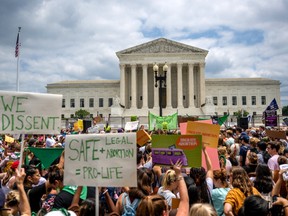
x=186, y=90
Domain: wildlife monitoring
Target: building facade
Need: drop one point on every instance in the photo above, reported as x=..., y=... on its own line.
x=185, y=89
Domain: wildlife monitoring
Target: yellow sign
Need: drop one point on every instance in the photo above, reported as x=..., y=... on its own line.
x=80, y=124
x=209, y=132
x=142, y=137
x=9, y=139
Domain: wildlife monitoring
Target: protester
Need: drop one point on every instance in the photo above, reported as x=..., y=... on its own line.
x=155, y=205
x=203, y=179
x=221, y=189
x=54, y=181
x=272, y=149
x=245, y=146
x=145, y=179
x=203, y=209
x=17, y=201
x=242, y=188
x=169, y=186
x=254, y=205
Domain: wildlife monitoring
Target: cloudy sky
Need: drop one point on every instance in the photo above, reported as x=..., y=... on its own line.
x=78, y=39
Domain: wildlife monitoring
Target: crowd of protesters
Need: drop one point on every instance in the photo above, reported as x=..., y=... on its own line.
x=249, y=181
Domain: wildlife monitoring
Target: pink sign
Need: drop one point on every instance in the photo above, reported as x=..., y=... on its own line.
x=213, y=154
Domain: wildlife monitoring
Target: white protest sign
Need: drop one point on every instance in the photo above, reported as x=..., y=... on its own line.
x=101, y=160
x=30, y=113
x=129, y=126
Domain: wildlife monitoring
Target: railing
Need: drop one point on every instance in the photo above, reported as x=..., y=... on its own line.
x=119, y=122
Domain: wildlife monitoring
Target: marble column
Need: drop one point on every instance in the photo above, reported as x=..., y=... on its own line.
x=179, y=85
x=133, y=87
x=122, y=85
x=202, y=83
x=169, y=87
x=145, y=86
x=191, y=84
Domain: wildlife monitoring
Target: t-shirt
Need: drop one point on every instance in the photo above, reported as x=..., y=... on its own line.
x=235, y=197
x=218, y=198
x=272, y=163
x=65, y=196
x=167, y=194
x=243, y=153
x=35, y=195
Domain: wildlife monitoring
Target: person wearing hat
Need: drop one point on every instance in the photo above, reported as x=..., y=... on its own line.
x=8, y=180
x=245, y=146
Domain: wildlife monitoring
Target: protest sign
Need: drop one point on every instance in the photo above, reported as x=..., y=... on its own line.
x=209, y=132
x=187, y=148
x=183, y=125
x=142, y=137
x=214, y=157
x=30, y=113
x=276, y=134
x=130, y=126
x=101, y=160
x=9, y=139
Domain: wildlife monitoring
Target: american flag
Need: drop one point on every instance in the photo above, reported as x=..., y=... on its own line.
x=17, y=46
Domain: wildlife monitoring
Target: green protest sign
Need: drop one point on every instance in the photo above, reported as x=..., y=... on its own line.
x=187, y=148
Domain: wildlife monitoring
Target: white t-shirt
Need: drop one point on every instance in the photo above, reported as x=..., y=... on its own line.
x=167, y=194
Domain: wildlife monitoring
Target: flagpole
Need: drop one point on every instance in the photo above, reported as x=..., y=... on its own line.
x=17, y=54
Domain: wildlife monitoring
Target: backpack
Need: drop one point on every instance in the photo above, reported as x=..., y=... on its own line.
x=129, y=208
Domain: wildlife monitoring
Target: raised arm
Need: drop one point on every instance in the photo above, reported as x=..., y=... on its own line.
x=24, y=205
x=277, y=187
x=208, y=163
x=183, y=209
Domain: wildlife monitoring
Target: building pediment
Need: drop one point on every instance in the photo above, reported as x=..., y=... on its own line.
x=162, y=45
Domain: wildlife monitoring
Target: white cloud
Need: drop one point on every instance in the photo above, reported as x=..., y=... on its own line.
x=77, y=39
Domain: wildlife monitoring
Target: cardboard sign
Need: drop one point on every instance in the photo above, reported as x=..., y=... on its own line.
x=105, y=160
x=276, y=134
x=142, y=137
x=167, y=148
x=30, y=113
x=175, y=203
x=183, y=125
x=209, y=132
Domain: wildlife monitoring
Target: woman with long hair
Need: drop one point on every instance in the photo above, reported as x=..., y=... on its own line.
x=242, y=188
x=203, y=179
x=263, y=181
x=169, y=186
x=156, y=205
x=202, y=209
x=145, y=179
x=220, y=191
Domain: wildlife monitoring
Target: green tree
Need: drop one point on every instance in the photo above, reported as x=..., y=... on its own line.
x=81, y=114
x=285, y=110
x=238, y=114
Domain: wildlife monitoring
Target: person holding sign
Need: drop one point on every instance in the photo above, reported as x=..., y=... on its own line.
x=22, y=206
x=169, y=186
x=156, y=205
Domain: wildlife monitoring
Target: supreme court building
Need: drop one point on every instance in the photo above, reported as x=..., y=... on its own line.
x=185, y=90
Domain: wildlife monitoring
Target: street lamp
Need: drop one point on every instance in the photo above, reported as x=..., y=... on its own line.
x=162, y=81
